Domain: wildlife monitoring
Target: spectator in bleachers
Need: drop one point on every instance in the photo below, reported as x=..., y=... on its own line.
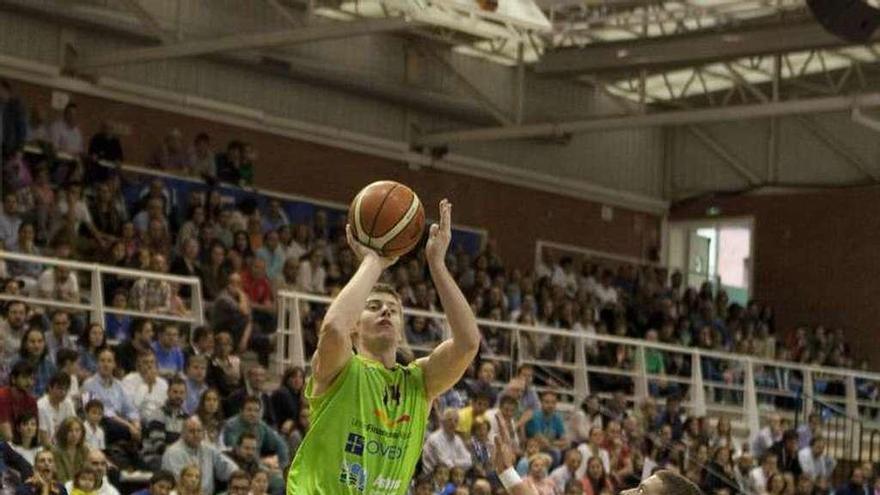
x=33, y=351
x=12, y=328
x=225, y=372
x=141, y=341
x=161, y=483
x=268, y=441
x=157, y=239
x=232, y=312
x=815, y=462
x=169, y=355
x=58, y=337
x=272, y=254
x=547, y=423
x=254, y=385
x=148, y=391
x=44, y=481
x=155, y=210
x=58, y=282
x=163, y=426
x=760, y=475
x=25, y=441
x=472, y=413
x=43, y=193
x=94, y=341
x=105, y=214
x=152, y=295
x=286, y=280
x=768, y=435
x=71, y=214
x=54, y=407
x=484, y=383
x=105, y=144
x=593, y=447
x=172, y=155
x=312, y=275
x=191, y=448
x=121, y=421
x=94, y=413
x=10, y=220
x=13, y=120
x=444, y=448
x=65, y=134
x=26, y=272
x=210, y=413
x=275, y=218
x=202, y=161
x=189, y=481
x=97, y=463
x=66, y=362
x=214, y=272
x=567, y=471
x=118, y=326
x=70, y=450
x=201, y=343
x=301, y=243
x=810, y=429
x=196, y=385
x=287, y=399
x=230, y=163
x=537, y=478
x=786, y=451
x=193, y=228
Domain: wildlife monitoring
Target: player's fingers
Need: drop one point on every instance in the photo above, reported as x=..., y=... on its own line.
x=445, y=214
x=502, y=429
x=434, y=229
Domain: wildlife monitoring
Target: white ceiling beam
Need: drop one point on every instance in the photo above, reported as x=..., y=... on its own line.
x=146, y=19
x=334, y=30
x=725, y=155
x=687, y=49
x=659, y=119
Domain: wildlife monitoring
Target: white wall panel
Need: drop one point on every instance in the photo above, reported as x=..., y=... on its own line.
x=29, y=38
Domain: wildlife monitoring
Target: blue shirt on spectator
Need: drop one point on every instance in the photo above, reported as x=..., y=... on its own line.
x=112, y=395
x=118, y=327
x=194, y=393
x=550, y=426
x=170, y=361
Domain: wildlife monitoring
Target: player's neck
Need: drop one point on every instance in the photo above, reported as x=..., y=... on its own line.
x=386, y=357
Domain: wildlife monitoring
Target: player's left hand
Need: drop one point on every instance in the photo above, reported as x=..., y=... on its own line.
x=439, y=236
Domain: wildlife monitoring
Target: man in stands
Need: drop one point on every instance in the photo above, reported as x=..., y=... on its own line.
x=484, y=382
x=65, y=134
x=169, y=355
x=16, y=399
x=97, y=462
x=161, y=483
x=164, y=427
x=786, y=451
x=811, y=429
x=568, y=470
x=192, y=448
x=201, y=158
x=196, y=374
x=58, y=282
x=232, y=311
x=202, y=343
x=445, y=447
x=268, y=440
x=247, y=455
x=768, y=435
x=815, y=462
x=54, y=407
x=12, y=329
x=474, y=412
x=254, y=386
x=59, y=336
x=145, y=387
x=10, y=219
x=140, y=343
x=548, y=423
x=121, y=420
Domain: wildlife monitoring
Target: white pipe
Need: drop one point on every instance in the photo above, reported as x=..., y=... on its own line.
x=859, y=118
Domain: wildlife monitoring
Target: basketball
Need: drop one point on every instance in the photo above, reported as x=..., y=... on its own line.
x=388, y=217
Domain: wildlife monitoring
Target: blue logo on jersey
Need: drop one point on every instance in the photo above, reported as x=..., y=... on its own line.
x=355, y=444
x=353, y=474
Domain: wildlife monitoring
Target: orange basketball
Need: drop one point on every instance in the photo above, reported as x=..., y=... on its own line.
x=387, y=216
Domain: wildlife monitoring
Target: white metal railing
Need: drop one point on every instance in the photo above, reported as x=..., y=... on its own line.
x=92, y=301
x=739, y=391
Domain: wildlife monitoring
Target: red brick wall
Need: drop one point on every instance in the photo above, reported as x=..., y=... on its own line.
x=816, y=257
x=515, y=216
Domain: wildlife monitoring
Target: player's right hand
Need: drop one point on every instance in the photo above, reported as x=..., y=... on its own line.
x=362, y=252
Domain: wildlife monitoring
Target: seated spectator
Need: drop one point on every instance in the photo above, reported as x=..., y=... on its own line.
x=141, y=341
x=268, y=441
x=187, y=264
x=26, y=271
x=10, y=220
x=260, y=483
x=201, y=343
x=214, y=272
x=548, y=423
x=210, y=413
x=59, y=335
x=312, y=275
x=54, y=407
x=94, y=414
x=190, y=481
x=26, y=442
x=232, y=312
x=286, y=281
x=239, y=484
x=567, y=472
x=70, y=450
x=45, y=479
x=229, y=164
x=300, y=429
x=158, y=240
x=272, y=254
x=67, y=362
x=94, y=342
x=810, y=429
x=597, y=480
x=588, y=415
x=164, y=426
x=786, y=451
x=161, y=483
x=59, y=283
x=97, y=464
x=195, y=225
x=814, y=461
x=148, y=391
x=105, y=213
x=472, y=413
x=202, y=161
x=192, y=448
x=12, y=329
x=768, y=436
x=504, y=414
x=196, y=382
x=287, y=399
x=152, y=295
x=254, y=386
x=760, y=475
x=247, y=455
x=121, y=421
x=71, y=214
x=172, y=155
x=33, y=351
x=169, y=355
x=105, y=144
x=118, y=325
x=154, y=211
x=64, y=133
x=224, y=372
x=15, y=467
x=538, y=479
x=444, y=447
x=43, y=192
x=275, y=217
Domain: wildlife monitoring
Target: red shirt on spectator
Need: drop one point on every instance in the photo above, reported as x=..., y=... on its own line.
x=259, y=290
x=15, y=403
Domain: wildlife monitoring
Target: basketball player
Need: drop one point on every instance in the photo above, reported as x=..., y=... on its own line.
x=662, y=482
x=368, y=414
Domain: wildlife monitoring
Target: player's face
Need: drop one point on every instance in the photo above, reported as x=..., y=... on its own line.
x=382, y=319
x=651, y=486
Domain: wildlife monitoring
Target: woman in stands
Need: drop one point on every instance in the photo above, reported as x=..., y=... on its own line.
x=260, y=483
x=45, y=480
x=24, y=440
x=214, y=272
x=189, y=482
x=596, y=480
x=93, y=340
x=241, y=243
x=26, y=272
x=287, y=399
x=34, y=350
x=70, y=451
x=211, y=415
x=299, y=431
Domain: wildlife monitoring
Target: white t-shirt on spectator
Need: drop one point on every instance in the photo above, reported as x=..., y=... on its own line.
x=493, y=428
x=586, y=454
x=28, y=454
x=449, y=450
x=67, y=290
x=94, y=436
x=758, y=480
x=311, y=279
x=148, y=401
x=50, y=416
x=815, y=467
x=606, y=295
x=80, y=212
x=65, y=138
x=567, y=281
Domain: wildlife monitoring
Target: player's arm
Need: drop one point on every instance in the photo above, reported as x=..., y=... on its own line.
x=334, y=337
x=448, y=362
x=505, y=456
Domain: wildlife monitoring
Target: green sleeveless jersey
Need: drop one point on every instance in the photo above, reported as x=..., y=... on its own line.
x=366, y=432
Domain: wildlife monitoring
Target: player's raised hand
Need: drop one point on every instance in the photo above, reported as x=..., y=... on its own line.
x=361, y=251
x=439, y=236
x=504, y=456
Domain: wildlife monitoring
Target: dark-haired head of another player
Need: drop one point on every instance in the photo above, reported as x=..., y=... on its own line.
x=664, y=482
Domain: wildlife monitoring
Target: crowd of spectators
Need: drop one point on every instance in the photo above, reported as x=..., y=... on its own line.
x=82, y=401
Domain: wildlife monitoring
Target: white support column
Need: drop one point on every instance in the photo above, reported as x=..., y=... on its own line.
x=97, y=296
x=581, y=382
x=283, y=336
x=698, y=391
x=808, y=393
x=750, y=401
x=852, y=410
x=294, y=325
x=640, y=389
